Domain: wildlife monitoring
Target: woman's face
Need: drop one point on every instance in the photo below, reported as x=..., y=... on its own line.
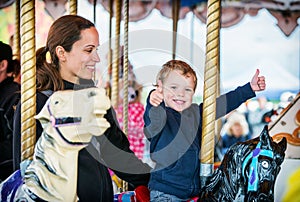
x=80, y=62
x=237, y=130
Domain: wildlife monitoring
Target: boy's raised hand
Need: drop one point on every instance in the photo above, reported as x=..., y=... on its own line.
x=258, y=82
x=156, y=96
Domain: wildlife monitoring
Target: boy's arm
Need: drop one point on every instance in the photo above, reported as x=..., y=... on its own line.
x=233, y=99
x=155, y=115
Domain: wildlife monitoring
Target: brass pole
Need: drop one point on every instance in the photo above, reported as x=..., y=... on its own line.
x=175, y=16
x=125, y=69
x=17, y=39
x=73, y=7
x=116, y=56
x=210, y=89
x=125, y=77
x=28, y=86
x=109, y=68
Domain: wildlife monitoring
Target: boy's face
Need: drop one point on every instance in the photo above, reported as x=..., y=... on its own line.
x=178, y=91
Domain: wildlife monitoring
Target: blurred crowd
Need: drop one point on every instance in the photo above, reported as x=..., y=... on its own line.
x=249, y=119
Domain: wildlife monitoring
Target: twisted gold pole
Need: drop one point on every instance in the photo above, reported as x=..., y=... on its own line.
x=73, y=7
x=210, y=89
x=28, y=86
x=116, y=56
x=17, y=40
x=125, y=76
x=175, y=16
x=125, y=69
x=109, y=68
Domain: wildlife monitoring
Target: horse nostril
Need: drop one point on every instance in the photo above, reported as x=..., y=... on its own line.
x=264, y=198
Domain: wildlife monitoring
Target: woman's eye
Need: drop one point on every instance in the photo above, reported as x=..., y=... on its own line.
x=189, y=90
x=173, y=87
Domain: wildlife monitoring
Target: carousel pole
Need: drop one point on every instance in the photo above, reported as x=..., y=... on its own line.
x=125, y=69
x=210, y=89
x=116, y=56
x=73, y=7
x=125, y=77
x=109, y=70
x=16, y=38
x=28, y=79
x=94, y=19
x=95, y=9
x=175, y=16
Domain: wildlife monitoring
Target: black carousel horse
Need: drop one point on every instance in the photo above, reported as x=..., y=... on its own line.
x=248, y=171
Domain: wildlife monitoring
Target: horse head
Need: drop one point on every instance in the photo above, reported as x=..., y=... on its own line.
x=247, y=172
x=75, y=116
x=261, y=166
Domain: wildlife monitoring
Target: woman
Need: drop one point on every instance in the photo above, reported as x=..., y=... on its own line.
x=236, y=130
x=72, y=43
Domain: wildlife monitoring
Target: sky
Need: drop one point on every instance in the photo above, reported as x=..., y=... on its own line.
x=255, y=42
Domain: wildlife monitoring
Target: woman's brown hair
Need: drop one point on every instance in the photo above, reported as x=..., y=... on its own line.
x=65, y=31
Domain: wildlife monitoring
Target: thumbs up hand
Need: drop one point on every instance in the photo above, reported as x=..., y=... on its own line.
x=258, y=82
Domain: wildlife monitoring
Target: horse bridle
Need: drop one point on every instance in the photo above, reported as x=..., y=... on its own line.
x=253, y=176
x=64, y=121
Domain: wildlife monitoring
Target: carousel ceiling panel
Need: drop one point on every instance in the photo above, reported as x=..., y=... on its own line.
x=286, y=12
x=6, y=3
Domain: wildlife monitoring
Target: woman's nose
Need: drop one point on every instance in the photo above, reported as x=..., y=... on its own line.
x=96, y=57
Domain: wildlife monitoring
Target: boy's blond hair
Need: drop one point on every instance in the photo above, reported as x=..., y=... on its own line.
x=176, y=65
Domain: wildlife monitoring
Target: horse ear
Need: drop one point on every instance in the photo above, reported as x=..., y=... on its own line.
x=265, y=139
x=283, y=144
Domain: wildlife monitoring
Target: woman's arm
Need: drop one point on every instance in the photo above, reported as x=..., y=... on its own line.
x=116, y=154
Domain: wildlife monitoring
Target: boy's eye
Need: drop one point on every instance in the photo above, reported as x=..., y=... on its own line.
x=89, y=50
x=173, y=87
x=189, y=90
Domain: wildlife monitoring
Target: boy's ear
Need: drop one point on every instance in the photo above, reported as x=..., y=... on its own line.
x=159, y=86
x=60, y=52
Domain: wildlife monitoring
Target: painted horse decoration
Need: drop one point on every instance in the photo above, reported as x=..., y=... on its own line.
x=247, y=172
x=67, y=128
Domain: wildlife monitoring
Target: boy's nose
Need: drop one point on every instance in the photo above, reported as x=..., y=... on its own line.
x=180, y=93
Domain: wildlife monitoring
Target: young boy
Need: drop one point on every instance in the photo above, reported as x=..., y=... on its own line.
x=173, y=126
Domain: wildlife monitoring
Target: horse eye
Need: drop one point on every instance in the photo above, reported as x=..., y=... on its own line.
x=265, y=164
x=91, y=94
x=56, y=102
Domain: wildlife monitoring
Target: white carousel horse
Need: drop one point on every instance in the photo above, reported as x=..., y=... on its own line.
x=70, y=119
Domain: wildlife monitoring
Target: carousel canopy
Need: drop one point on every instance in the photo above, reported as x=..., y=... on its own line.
x=286, y=12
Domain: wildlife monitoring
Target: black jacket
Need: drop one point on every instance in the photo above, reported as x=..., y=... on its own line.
x=175, y=140
x=111, y=150
x=9, y=97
